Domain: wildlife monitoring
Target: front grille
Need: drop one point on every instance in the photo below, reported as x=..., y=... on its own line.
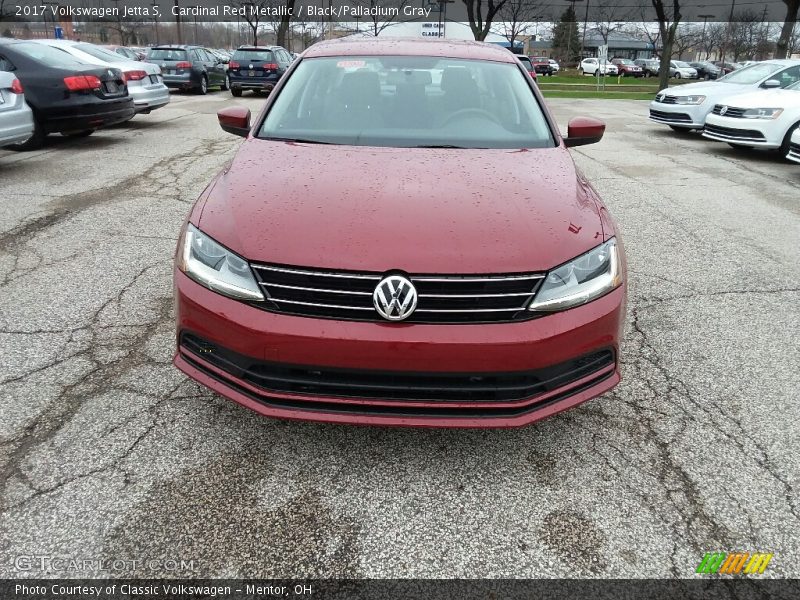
x=391, y=385
x=660, y=115
x=730, y=133
x=666, y=99
x=347, y=295
x=731, y=111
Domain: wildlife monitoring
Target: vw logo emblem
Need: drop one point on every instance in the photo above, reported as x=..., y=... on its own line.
x=723, y=110
x=395, y=298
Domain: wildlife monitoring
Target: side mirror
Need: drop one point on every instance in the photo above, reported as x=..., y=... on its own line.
x=584, y=130
x=235, y=120
x=771, y=84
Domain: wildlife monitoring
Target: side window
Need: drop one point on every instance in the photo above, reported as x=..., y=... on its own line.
x=196, y=55
x=5, y=64
x=788, y=76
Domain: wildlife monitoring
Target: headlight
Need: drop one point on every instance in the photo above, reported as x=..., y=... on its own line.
x=690, y=99
x=581, y=280
x=216, y=267
x=762, y=113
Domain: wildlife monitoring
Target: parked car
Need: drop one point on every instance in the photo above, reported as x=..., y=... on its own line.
x=681, y=70
x=649, y=66
x=257, y=68
x=554, y=66
x=687, y=106
x=66, y=96
x=16, y=117
x=626, y=67
x=527, y=64
x=794, y=147
x=542, y=65
x=726, y=67
x=125, y=52
x=314, y=327
x=590, y=66
x=761, y=119
x=189, y=68
x=706, y=70
x=144, y=80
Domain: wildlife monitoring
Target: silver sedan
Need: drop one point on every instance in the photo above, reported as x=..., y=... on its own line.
x=16, y=118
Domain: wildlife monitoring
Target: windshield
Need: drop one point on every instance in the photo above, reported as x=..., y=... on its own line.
x=751, y=74
x=681, y=65
x=53, y=57
x=624, y=61
x=167, y=54
x=408, y=101
x=245, y=55
x=526, y=62
x=100, y=53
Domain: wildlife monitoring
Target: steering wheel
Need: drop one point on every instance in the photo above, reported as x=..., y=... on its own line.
x=469, y=111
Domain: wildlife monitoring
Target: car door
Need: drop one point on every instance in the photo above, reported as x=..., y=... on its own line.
x=204, y=62
x=216, y=66
x=284, y=60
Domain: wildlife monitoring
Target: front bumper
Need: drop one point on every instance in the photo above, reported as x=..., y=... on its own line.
x=474, y=352
x=690, y=116
x=764, y=133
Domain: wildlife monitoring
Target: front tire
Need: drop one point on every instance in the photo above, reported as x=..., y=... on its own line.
x=677, y=75
x=784, y=149
x=203, y=89
x=78, y=134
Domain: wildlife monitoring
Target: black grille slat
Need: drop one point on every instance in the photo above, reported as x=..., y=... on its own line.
x=391, y=385
x=668, y=116
x=441, y=298
x=730, y=132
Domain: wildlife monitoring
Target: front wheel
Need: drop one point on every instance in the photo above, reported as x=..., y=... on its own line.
x=203, y=89
x=677, y=75
x=787, y=140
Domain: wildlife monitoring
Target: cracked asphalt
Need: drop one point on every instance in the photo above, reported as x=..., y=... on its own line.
x=108, y=452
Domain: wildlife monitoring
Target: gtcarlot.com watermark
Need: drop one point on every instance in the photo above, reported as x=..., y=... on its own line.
x=60, y=564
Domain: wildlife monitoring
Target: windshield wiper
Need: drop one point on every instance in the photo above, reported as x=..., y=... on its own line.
x=297, y=140
x=446, y=146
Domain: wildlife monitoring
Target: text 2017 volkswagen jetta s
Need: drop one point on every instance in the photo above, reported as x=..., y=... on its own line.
x=402, y=239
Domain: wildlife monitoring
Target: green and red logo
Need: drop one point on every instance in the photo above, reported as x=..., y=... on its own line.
x=734, y=563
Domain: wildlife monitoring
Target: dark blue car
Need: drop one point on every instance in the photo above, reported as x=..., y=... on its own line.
x=257, y=68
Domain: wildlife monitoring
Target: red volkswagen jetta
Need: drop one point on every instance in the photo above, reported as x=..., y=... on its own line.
x=402, y=239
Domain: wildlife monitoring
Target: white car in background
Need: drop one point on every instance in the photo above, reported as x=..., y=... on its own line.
x=589, y=66
x=554, y=66
x=144, y=80
x=16, y=118
x=686, y=107
x=757, y=119
x=681, y=70
x=794, y=147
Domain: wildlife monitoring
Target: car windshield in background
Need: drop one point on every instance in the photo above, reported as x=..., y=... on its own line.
x=167, y=54
x=52, y=57
x=681, y=65
x=246, y=55
x=100, y=53
x=625, y=61
x=526, y=62
x=408, y=101
x=751, y=74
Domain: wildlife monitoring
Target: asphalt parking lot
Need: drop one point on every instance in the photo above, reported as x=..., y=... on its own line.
x=108, y=452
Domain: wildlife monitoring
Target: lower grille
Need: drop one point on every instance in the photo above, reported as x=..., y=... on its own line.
x=735, y=134
x=393, y=385
x=794, y=151
x=671, y=117
x=346, y=295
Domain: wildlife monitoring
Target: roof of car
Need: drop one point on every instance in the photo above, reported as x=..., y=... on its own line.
x=372, y=46
x=173, y=46
x=257, y=47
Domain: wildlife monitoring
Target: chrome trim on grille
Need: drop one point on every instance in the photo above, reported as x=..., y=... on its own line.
x=346, y=295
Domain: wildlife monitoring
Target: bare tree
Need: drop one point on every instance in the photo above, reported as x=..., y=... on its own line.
x=517, y=17
x=782, y=48
x=608, y=14
x=668, y=13
x=687, y=37
x=252, y=14
x=480, y=20
x=378, y=23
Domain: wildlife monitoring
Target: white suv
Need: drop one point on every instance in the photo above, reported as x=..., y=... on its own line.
x=589, y=66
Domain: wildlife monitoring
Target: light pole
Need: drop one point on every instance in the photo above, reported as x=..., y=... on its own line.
x=727, y=34
x=47, y=30
x=703, y=36
x=585, y=21
x=195, y=9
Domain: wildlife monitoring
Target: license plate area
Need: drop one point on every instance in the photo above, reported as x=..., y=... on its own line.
x=111, y=87
x=155, y=79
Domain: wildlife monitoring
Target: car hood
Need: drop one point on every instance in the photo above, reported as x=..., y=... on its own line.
x=416, y=210
x=708, y=89
x=775, y=98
